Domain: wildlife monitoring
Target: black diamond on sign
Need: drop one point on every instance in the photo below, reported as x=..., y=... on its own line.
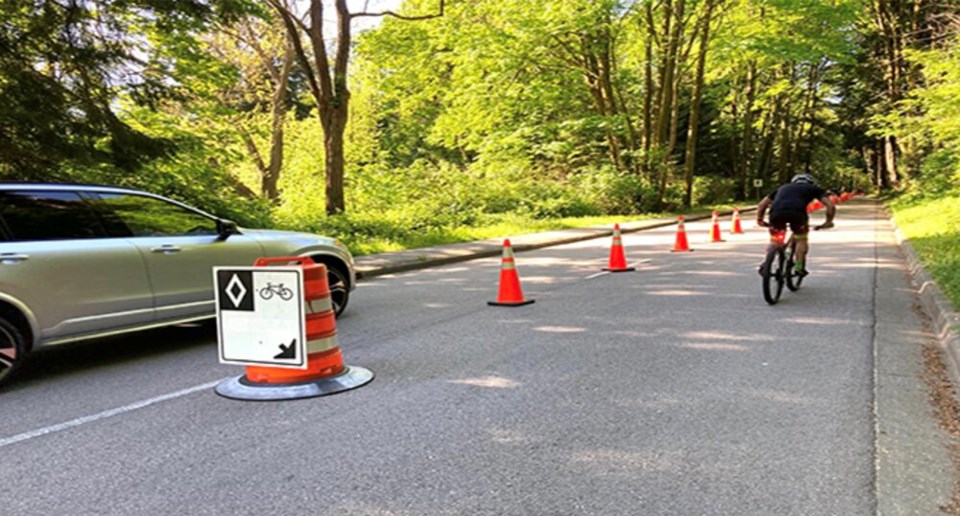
x=236, y=290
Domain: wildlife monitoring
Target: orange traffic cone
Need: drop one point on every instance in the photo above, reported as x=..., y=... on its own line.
x=737, y=227
x=325, y=372
x=618, y=260
x=510, y=293
x=715, y=228
x=681, y=243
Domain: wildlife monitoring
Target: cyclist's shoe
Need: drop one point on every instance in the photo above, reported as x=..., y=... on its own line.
x=801, y=272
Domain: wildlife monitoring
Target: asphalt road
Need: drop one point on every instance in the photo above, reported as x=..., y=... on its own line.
x=674, y=389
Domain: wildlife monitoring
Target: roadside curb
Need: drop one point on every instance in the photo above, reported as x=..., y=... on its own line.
x=388, y=263
x=945, y=318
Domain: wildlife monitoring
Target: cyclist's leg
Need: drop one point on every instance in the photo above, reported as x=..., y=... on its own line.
x=801, y=229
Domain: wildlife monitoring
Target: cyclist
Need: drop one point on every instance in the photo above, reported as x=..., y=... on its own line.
x=788, y=205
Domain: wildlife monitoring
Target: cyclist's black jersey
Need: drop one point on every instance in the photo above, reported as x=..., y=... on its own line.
x=794, y=197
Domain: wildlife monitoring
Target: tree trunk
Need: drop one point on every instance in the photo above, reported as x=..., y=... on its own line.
x=747, y=146
x=667, y=82
x=648, y=81
x=333, y=156
x=691, y=151
x=327, y=80
x=890, y=172
x=270, y=175
x=769, y=133
x=886, y=19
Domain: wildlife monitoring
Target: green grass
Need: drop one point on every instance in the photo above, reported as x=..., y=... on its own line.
x=933, y=228
x=492, y=226
x=498, y=226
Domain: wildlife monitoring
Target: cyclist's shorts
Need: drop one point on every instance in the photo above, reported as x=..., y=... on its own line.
x=799, y=222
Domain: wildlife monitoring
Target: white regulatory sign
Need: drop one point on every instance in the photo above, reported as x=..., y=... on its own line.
x=260, y=316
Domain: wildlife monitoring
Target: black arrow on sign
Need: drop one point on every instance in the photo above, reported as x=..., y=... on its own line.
x=289, y=351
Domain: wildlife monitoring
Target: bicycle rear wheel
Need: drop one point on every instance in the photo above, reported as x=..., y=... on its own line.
x=772, y=271
x=793, y=279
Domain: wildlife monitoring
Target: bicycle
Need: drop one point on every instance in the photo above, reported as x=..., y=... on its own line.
x=271, y=289
x=778, y=268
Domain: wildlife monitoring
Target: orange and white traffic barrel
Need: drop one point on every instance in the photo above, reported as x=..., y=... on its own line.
x=326, y=372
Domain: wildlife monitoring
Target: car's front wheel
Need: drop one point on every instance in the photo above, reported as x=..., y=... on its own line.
x=13, y=349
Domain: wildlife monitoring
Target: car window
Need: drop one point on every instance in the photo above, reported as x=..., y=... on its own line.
x=37, y=215
x=147, y=216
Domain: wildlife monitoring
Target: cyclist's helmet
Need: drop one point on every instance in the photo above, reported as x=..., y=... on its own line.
x=802, y=178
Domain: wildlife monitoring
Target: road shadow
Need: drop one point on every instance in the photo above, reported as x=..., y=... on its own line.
x=69, y=359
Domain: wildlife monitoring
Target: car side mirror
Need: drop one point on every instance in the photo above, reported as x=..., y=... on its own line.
x=225, y=228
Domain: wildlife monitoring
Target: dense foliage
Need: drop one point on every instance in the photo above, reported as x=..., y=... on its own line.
x=494, y=109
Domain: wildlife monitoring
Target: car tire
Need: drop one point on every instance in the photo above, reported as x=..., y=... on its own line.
x=339, y=289
x=13, y=349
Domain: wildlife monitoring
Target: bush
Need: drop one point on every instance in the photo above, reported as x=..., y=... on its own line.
x=613, y=192
x=712, y=190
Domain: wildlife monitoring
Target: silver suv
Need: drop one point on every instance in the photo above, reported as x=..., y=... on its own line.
x=79, y=261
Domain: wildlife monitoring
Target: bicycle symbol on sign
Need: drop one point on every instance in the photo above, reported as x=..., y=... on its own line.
x=267, y=292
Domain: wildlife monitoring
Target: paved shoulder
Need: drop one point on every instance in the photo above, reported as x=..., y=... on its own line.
x=914, y=472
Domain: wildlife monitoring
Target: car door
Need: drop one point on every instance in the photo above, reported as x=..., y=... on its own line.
x=58, y=261
x=180, y=247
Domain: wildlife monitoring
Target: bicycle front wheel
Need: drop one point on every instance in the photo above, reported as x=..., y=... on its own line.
x=772, y=271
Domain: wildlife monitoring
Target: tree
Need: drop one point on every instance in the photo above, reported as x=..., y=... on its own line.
x=327, y=78
x=263, y=54
x=692, y=128
x=63, y=65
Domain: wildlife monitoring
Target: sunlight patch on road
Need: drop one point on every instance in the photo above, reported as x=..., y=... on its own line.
x=711, y=335
x=715, y=347
x=821, y=320
x=560, y=329
x=676, y=293
x=493, y=382
x=507, y=436
x=540, y=280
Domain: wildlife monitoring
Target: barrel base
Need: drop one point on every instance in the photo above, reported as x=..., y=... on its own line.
x=239, y=388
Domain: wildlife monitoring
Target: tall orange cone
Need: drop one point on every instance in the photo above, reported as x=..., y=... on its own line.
x=737, y=228
x=681, y=244
x=326, y=372
x=618, y=260
x=715, y=228
x=510, y=293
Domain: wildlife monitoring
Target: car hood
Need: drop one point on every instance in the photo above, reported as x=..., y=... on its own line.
x=304, y=239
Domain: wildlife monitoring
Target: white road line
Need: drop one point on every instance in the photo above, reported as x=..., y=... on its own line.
x=597, y=275
x=102, y=415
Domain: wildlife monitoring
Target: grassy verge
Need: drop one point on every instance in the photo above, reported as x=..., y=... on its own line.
x=933, y=228
x=498, y=226
x=489, y=226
